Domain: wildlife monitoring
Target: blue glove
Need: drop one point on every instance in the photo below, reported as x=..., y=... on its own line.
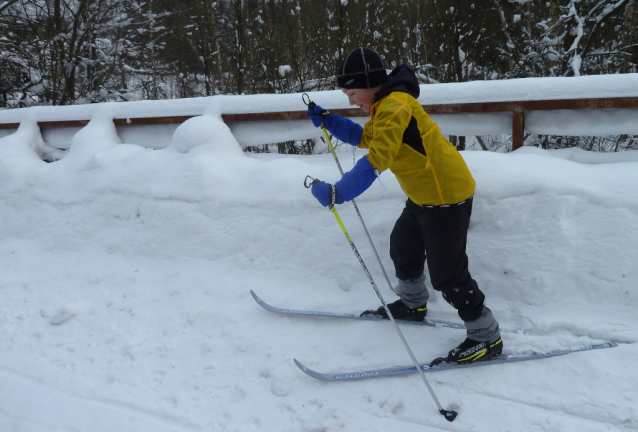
x=317, y=114
x=352, y=184
x=344, y=129
x=326, y=194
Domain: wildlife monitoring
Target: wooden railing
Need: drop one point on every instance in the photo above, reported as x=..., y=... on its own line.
x=517, y=108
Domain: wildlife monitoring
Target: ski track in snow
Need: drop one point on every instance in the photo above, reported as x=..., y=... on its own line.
x=555, y=413
x=539, y=417
x=22, y=394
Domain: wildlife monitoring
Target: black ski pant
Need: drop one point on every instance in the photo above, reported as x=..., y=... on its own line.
x=440, y=234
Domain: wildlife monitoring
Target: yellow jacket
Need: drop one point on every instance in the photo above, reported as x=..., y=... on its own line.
x=401, y=137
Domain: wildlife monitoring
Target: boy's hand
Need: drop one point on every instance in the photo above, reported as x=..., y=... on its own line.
x=344, y=129
x=326, y=194
x=317, y=114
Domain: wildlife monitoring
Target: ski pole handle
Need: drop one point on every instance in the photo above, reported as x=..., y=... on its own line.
x=332, y=191
x=310, y=104
x=311, y=184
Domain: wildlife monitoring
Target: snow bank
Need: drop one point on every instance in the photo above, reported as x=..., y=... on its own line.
x=207, y=129
x=25, y=147
x=91, y=142
x=125, y=305
x=585, y=157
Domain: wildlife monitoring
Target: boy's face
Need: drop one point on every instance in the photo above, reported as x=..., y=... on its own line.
x=363, y=98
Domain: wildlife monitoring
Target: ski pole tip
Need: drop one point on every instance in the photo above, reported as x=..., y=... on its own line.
x=449, y=415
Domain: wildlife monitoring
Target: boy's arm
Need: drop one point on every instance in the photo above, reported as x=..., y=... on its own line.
x=384, y=135
x=384, y=139
x=344, y=129
x=352, y=184
x=357, y=180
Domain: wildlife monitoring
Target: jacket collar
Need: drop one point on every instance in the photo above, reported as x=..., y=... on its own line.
x=401, y=79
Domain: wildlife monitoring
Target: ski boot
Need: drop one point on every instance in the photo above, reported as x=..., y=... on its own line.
x=399, y=311
x=470, y=351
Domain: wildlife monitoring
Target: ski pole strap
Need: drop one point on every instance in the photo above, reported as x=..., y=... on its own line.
x=310, y=104
x=333, y=197
x=309, y=182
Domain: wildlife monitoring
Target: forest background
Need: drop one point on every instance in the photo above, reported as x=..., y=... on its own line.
x=62, y=52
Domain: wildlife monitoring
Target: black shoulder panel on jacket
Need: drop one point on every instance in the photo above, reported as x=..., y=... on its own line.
x=412, y=136
x=401, y=79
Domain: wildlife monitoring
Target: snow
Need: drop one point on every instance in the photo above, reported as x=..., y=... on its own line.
x=205, y=129
x=284, y=69
x=593, y=86
x=560, y=122
x=125, y=305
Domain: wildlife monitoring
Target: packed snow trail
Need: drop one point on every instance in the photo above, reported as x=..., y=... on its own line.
x=127, y=271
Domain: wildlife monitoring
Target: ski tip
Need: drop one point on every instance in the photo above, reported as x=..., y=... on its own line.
x=310, y=372
x=263, y=304
x=303, y=368
x=257, y=299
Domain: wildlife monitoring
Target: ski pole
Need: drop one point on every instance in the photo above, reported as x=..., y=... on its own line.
x=310, y=104
x=449, y=415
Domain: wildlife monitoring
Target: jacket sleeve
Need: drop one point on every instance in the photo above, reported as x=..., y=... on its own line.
x=344, y=129
x=356, y=181
x=383, y=135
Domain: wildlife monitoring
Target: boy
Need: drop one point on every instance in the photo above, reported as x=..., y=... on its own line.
x=401, y=137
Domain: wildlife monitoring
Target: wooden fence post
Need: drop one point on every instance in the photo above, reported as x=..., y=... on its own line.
x=518, y=128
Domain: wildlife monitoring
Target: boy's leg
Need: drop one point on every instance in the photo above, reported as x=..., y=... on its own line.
x=408, y=255
x=413, y=292
x=445, y=237
x=485, y=328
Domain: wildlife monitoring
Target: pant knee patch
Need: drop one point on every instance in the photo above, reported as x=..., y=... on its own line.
x=467, y=301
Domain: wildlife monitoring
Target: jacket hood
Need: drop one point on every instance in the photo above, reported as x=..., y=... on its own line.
x=401, y=79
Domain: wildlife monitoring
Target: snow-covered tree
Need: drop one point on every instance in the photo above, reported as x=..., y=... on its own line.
x=67, y=47
x=588, y=37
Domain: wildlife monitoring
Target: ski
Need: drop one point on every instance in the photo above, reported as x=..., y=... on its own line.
x=398, y=371
x=426, y=322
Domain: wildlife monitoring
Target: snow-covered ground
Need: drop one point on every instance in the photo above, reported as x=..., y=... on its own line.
x=126, y=271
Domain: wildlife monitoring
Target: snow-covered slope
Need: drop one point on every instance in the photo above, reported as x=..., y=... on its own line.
x=125, y=305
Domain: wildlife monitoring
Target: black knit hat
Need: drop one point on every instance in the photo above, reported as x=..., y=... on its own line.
x=362, y=68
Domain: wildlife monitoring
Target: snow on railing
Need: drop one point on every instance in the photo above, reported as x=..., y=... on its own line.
x=591, y=105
